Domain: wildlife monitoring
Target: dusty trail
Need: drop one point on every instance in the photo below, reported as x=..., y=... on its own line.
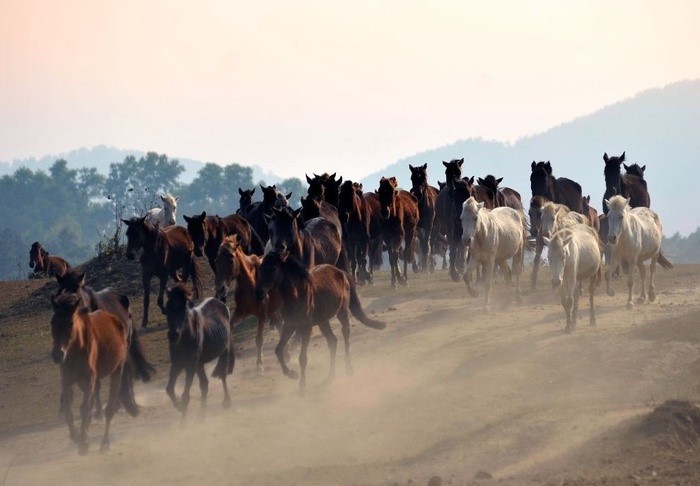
x=443, y=391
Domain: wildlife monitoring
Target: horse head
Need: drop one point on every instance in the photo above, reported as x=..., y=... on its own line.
x=453, y=170
x=540, y=175
x=71, y=281
x=618, y=209
x=535, y=214
x=387, y=195
x=284, y=226
x=246, y=198
x=227, y=265
x=36, y=256
x=197, y=228
x=269, y=273
x=419, y=178
x=347, y=200
x=310, y=208
x=469, y=218
x=269, y=195
x=557, y=253
x=136, y=232
x=64, y=306
x=176, y=310
x=169, y=209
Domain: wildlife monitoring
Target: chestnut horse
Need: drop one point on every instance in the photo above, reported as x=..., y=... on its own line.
x=208, y=232
x=232, y=264
x=165, y=251
x=447, y=215
x=426, y=196
x=42, y=262
x=629, y=185
x=197, y=334
x=90, y=346
x=354, y=214
x=399, y=220
x=590, y=213
x=311, y=297
x=559, y=190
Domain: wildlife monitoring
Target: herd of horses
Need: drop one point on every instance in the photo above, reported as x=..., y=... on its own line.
x=299, y=268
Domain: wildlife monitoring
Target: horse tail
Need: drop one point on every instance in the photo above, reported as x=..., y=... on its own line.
x=664, y=262
x=196, y=277
x=343, y=262
x=256, y=247
x=126, y=391
x=224, y=366
x=143, y=368
x=359, y=312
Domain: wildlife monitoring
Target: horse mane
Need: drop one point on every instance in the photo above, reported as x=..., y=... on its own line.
x=618, y=203
x=66, y=303
x=538, y=202
x=472, y=205
x=169, y=199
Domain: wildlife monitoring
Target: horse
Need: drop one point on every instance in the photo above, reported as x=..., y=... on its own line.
x=399, y=220
x=232, y=264
x=493, y=236
x=426, y=195
x=90, y=346
x=314, y=242
x=207, y=233
x=42, y=262
x=354, y=215
x=313, y=208
x=445, y=214
x=73, y=282
x=575, y=254
x=245, y=200
x=634, y=235
x=311, y=297
x=554, y=216
x=629, y=185
x=376, y=243
x=324, y=187
x=197, y=334
x=590, y=212
x=258, y=212
x=165, y=251
x=559, y=190
x=164, y=216
x=501, y=196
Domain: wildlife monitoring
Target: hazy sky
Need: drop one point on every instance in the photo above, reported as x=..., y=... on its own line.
x=299, y=86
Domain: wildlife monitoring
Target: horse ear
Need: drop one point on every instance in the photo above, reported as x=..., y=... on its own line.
x=411, y=168
x=288, y=196
x=203, y=215
x=480, y=181
x=481, y=205
x=533, y=165
x=308, y=179
x=267, y=218
x=460, y=162
x=262, y=187
x=177, y=198
x=126, y=222
x=302, y=199
x=498, y=181
x=296, y=213
x=332, y=176
x=605, y=156
x=162, y=198
x=643, y=168
x=424, y=166
x=393, y=182
x=607, y=203
x=187, y=218
x=339, y=181
x=252, y=192
x=240, y=191
x=588, y=198
x=626, y=167
x=628, y=201
x=81, y=278
x=622, y=157
x=444, y=163
x=471, y=181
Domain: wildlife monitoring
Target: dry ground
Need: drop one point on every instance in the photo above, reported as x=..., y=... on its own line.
x=444, y=392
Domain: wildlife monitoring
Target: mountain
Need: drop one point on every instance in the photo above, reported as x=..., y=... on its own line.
x=657, y=128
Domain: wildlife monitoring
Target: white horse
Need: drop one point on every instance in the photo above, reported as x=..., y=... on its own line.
x=575, y=254
x=554, y=217
x=164, y=216
x=493, y=236
x=634, y=236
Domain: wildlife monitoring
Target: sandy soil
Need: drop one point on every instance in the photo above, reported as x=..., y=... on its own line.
x=445, y=392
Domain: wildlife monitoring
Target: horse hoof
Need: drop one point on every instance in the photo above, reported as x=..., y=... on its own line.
x=82, y=448
x=292, y=375
x=473, y=293
x=403, y=282
x=568, y=329
x=652, y=296
x=392, y=286
x=455, y=277
x=630, y=305
x=611, y=293
x=98, y=415
x=641, y=300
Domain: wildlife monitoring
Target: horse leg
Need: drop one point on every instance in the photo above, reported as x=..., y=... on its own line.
x=567, y=303
x=259, y=341
x=630, y=284
x=185, y=398
x=488, y=274
x=394, y=264
x=467, y=277
x=285, y=334
x=332, y=341
x=453, y=260
x=112, y=404
x=591, y=293
x=518, y=263
x=642, y=276
x=98, y=401
x=175, y=369
x=146, y=282
x=67, y=404
x=652, y=272
x=408, y=255
x=608, y=274
x=203, y=388
x=576, y=295
x=539, y=245
x=228, y=358
x=303, y=358
x=345, y=323
x=85, y=416
x=161, y=291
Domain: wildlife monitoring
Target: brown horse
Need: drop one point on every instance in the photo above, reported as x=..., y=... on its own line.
x=314, y=242
x=426, y=196
x=245, y=200
x=354, y=214
x=399, y=220
x=324, y=187
x=313, y=208
x=73, y=282
x=376, y=243
x=258, y=212
x=232, y=264
x=559, y=190
x=90, y=346
x=198, y=332
x=207, y=233
x=447, y=217
x=42, y=262
x=165, y=251
x=590, y=213
x=311, y=297
x=630, y=185
x=501, y=196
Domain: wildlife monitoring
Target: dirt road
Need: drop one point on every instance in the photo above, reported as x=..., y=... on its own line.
x=444, y=391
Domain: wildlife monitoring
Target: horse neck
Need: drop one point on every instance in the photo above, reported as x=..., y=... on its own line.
x=613, y=181
x=80, y=331
x=247, y=272
x=544, y=187
x=296, y=293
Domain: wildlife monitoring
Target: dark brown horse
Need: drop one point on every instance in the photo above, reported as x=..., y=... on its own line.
x=245, y=200
x=446, y=218
x=258, y=212
x=629, y=185
x=314, y=208
x=207, y=233
x=73, y=282
x=426, y=196
x=559, y=190
x=590, y=213
x=324, y=187
x=90, y=346
x=311, y=297
x=376, y=243
x=165, y=251
x=501, y=196
x=233, y=265
x=354, y=214
x=314, y=242
x=198, y=332
x=42, y=262
x=399, y=220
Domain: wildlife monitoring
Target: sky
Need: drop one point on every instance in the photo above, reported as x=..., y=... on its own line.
x=308, y=86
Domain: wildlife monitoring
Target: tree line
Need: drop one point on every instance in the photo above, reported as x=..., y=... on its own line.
x=75, y=213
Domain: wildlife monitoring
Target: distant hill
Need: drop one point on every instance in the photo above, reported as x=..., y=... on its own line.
x=102, y=156
x=658, y=127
